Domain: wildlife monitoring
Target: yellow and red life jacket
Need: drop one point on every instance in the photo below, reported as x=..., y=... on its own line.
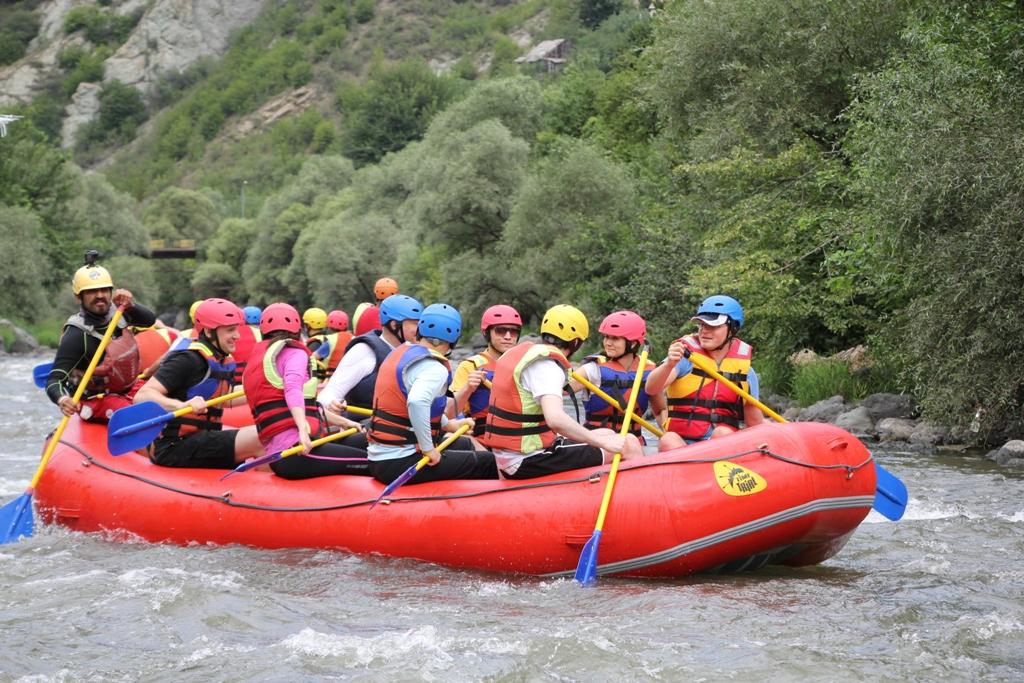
x=220, y=374
x=515, y=421
x=336, y=342
x=264, y=390
x=390, y=424
x=617, y=382
x=697, y=401
x=480, y=399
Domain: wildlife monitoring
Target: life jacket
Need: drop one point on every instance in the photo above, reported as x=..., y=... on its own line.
x=390, y=424
x=336, y=343
x=153, y=344
x=697, y=400
x=315, y=341
x=248, y=338
x=480, y=399
x=119, y=368
x=362, y=393
x=217, y=382
x=617, y=382
x=515, y=421
x=264, y=390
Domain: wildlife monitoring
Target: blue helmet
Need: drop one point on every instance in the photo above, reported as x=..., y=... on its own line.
x=399, y=307
x=252, y=315
x=718, y=305
x=441, y=321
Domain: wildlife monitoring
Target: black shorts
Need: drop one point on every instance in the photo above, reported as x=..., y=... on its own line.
x=456, y=463
x=207, y=449
x=561, y=456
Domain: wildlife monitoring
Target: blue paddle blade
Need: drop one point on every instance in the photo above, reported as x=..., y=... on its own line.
x=41, y=373
x=890, y=494
x=390, y=488
x=16, y=519
x=586, y=570
x=135, y=427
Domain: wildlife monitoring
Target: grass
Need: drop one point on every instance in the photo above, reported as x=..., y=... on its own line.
x=47, y=333
x=819, y=380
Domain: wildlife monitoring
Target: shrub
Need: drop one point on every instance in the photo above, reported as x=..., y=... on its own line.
x=821, y=379
x=121, y=109
x=20, y=26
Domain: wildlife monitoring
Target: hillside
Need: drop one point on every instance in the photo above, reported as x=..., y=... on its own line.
x=849, y=171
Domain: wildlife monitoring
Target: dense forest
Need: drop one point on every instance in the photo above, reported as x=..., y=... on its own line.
x=850, y=171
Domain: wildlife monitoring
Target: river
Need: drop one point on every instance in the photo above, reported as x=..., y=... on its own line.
x=936, y=596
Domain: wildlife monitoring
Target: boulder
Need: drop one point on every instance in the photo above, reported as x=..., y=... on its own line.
x=792, y=414
x=929, y=435
x=803, y=357
x=824, y=411
x=857, y=421
x=1010, y=454
x=23, y=342
x=778, y=403
x=895, y=429
x=881, y=406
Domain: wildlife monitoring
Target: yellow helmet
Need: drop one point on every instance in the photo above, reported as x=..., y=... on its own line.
x=91, y=277
x=315, y=318
x=565, y=322
x=192, y=310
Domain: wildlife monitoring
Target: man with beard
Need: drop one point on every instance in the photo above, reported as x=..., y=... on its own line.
x=114, y=381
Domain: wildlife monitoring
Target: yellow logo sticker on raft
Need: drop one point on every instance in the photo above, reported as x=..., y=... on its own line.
x=737, y=480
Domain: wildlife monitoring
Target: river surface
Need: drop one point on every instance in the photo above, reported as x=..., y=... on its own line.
x=936, y=596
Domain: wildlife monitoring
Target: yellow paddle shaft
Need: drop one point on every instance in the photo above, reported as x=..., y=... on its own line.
x=295, y=450
x=613, y=472
x=594, y=389
x=709, y=367
x=212, y=402
x=449, y=440
x=82, y=385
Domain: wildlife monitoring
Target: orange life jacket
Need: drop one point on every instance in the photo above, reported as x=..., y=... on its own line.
x=697, y=401
x=480, y=399
x=390, y=424
x=515, y=421
x=337, y=342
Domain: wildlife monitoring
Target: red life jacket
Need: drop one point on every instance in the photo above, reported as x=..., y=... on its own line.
x=247, y=340
x=217, y=382
x=119, y=367
x=515, y=421
x=264, y=390
x=336, y=343
x=617, y=382
x=697, y=401
x=390, y=424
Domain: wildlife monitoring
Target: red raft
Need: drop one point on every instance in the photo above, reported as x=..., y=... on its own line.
x=788, y=494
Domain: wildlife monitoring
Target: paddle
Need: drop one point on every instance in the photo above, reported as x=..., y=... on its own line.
x=594, y=389
x=252, y=463
x=16, y=516
x=135, y=427
x=586, y=570
x=890, y=492
x=41, y=373
x=420, y=464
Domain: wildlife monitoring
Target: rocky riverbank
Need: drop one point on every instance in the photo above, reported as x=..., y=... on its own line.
x=14, y=339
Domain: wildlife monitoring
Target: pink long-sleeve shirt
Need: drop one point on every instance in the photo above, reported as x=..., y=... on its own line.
x=292, y=365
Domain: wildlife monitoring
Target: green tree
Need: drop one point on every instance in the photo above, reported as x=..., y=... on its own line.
x=593, y=12
x=105, y=217
x=937, y=142
x=392, y=109
x=136, y=274
x=121, y=109
x=216, y=280
x=21, y=295
x=516, y=102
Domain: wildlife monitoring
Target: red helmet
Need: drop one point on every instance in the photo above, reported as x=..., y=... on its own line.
x=499, y=315
x=214, y=313
x=337, y=320
x=280, y=318
x=367, y=318
x=626, y=324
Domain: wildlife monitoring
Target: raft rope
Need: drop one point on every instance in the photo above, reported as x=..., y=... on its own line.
x=226, y=499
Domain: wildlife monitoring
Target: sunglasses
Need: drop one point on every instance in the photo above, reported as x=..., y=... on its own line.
x=503, y=331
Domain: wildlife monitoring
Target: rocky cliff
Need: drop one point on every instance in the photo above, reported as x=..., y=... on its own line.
x=171, y=35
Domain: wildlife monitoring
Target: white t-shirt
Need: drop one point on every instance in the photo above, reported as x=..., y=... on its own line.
x=357, y=363
x=543, y=377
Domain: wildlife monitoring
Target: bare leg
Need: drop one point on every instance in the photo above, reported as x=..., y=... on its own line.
x=722, y=430
x=247, y=444
x=670, y=441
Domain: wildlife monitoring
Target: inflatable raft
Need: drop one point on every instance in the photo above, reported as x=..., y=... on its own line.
x=788, y=494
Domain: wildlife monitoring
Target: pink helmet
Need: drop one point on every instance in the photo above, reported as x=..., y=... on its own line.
x=337, y=320
x=499, y=315
x=280, y=318
x=626, y=324
x=367, y=319
x=214, y=313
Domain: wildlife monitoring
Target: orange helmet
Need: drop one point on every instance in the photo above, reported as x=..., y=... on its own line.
x=384, y=288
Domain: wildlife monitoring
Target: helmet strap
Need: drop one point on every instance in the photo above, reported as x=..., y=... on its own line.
x=211, y=340
x=395, y=328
